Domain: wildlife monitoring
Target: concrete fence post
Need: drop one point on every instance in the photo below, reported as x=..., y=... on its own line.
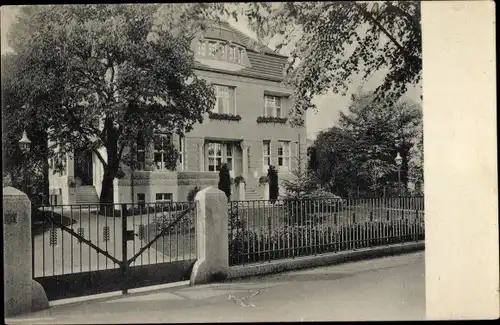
x=22, y=294
x=212, y=262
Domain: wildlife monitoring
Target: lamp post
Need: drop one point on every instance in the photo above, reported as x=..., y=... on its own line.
x=24, y=145
x=399, y=161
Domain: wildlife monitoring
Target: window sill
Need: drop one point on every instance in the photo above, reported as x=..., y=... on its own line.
x=269, y=119
x=224, y=117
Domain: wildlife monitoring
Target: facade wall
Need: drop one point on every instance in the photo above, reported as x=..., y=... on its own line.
x=246, y=133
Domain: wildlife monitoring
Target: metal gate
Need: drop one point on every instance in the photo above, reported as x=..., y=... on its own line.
x=88, y=249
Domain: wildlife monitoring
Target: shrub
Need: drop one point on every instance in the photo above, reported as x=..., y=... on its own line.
x=250, y=246
x=225, y=180
x=192, y=193
x=272, y=175
x=238, y=180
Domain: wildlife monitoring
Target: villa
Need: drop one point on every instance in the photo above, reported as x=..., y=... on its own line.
x=248, y=129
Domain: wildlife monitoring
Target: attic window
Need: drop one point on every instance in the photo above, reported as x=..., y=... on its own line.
x=222, y=50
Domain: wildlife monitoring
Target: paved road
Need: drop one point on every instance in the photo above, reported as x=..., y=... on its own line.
x=391, y=288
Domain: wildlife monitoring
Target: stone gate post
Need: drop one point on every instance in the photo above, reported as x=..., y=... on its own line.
x=212, y=236
x=22, y=294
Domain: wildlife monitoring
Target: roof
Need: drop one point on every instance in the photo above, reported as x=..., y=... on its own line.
x=265, y=63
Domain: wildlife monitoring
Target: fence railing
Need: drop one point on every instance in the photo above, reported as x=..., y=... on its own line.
x=78, y=238
x=264, y=230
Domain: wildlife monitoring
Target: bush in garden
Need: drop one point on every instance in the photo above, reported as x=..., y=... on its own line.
x=309, y=240
x=192, y=193
x=225, y=180
x=272, y=175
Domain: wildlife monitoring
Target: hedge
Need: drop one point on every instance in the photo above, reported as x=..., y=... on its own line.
x=248, y=246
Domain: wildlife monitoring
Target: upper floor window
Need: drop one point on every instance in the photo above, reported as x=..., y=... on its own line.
x=202, y=48
x=221, y=50
x=224, y=100
x=212, y=48
x=161, y=143
x=272, y=106
x=232, y=53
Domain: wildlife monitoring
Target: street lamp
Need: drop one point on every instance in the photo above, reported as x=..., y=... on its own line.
x=399, y=161
x=25, y=145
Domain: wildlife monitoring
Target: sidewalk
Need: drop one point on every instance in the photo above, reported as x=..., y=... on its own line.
x=391, y=288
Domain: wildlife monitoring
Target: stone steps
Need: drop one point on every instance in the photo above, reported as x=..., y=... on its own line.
x=86, y=195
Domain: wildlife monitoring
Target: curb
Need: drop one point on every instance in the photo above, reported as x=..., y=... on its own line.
x=249, y=270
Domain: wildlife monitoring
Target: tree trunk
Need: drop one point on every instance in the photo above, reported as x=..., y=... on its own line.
x=111, y=169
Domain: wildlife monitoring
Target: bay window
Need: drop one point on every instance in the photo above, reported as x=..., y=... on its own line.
x=218, y=153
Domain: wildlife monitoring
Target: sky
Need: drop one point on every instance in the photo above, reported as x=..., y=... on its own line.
x=329, y=105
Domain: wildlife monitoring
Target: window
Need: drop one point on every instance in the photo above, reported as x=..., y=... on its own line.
x=141, y=152
x=232, y=53
x=164, y=197
x=224, y=100
x=221, y=50
x=284, y=155
x=181, y=152
x=212, y=48
x=266, y=146
x=161, y=143
x=239, y=55
x=218, y=153
x=202, y=48
x=272, y=106
x=229, y=156
x=141, y=200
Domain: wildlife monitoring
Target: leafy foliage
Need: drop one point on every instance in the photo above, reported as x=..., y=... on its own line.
x=225, y=180
x=358, y=155
x=95, y=75
x=192, y=193
x=238, y=180
x=301, y=184
x=334, y=41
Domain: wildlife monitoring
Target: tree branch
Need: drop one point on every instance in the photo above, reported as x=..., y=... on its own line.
x=370, y=17
x=99, y=156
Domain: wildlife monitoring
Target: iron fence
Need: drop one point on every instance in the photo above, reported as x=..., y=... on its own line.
x=70, y=239
x=264, y=230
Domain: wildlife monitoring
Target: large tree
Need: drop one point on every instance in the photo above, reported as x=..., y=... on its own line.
x=98, y=74
x=332, y=42
x=360, y=152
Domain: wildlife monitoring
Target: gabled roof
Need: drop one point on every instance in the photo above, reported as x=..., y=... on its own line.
x=265, y=63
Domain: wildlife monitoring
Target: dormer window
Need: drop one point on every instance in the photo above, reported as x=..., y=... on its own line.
x=202, y=48
x=222, y=50
x=212, y=48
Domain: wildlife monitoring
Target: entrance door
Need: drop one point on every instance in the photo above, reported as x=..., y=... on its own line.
x=83, y=167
